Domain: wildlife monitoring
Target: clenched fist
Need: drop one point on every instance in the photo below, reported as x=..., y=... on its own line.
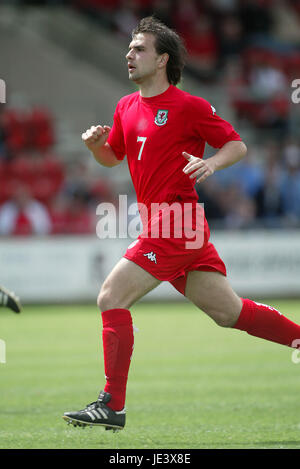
x=95, y=136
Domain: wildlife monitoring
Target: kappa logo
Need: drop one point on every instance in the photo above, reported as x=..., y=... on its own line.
x=161, y=117
x=151, y=256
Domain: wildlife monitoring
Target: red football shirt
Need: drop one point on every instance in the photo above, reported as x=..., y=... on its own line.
x=153, y=133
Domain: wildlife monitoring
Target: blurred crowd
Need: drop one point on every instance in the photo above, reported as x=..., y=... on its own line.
x=41, y=194
x=261, y=191
x=251, y=48
x=238, y=45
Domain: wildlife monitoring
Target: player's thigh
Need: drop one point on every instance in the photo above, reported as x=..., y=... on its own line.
x=125, y=284
x=213, y=294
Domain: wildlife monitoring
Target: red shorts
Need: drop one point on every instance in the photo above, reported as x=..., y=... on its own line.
x=169, y=260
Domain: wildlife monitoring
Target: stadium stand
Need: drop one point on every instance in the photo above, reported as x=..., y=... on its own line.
x=244, y=55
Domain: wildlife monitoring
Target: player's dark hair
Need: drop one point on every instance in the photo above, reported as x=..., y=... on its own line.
x=166, y=41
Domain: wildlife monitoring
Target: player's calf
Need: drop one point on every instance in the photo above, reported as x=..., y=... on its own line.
x=268, y=323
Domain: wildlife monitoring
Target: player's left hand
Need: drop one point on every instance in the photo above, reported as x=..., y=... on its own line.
x=199, y=168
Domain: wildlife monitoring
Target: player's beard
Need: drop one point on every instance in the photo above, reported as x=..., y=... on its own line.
x=141, y=77
x=135, y=76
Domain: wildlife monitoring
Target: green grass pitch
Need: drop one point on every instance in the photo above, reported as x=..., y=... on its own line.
x=192, y=384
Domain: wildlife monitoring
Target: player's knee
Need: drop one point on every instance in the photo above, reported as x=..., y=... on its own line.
x=110, y=299
x=105, y=300
x=222, y=319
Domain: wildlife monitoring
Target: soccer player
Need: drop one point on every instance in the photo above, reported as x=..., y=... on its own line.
x=9, y=299
x=163, y=130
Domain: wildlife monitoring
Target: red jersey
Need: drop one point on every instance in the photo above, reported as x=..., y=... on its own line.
x=153, y=133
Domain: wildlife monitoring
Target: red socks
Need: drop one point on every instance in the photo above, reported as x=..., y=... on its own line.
x=118, y=341
x=255, y=318
x=267, y=323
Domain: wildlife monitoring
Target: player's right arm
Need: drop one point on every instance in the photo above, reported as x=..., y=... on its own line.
x=95, y=138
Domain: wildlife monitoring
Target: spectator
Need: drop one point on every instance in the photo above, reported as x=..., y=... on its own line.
x=185, y=15
x=71, y=215
x=267, y=80
x=126, y=17
x=291, y=153
x=79, y=220
x=231, y=41
x=15, y=130
x=239, y=210
x=269, y=198
x=23, y=215
x=40, y=129
x=202, y=46
x=249, y=174
x=290, y=188
x=262, y=97
x=210, y=194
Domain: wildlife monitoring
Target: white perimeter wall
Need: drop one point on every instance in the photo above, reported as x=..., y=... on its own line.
x=70, y=269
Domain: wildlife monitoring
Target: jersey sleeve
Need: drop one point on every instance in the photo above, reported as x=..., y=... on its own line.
x=209, y=126
x=116, y=136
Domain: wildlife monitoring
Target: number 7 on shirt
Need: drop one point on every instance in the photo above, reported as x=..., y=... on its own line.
x=143, y=140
